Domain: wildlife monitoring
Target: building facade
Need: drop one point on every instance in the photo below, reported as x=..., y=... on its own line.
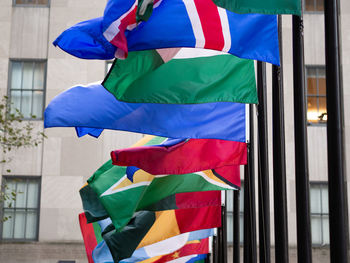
x=44, y=220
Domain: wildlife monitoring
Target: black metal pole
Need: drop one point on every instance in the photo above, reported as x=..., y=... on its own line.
x=216, y=248
x=338, y=207
x=301, y=147
x=249, y=198
x=263, y=168
x=279, y=159
x=224, y=230
x=236, y=232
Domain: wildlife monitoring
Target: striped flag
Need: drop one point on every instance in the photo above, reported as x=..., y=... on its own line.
x=174, y=23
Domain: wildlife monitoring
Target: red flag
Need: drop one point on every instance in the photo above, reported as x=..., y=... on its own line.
x=87, y=230
x=184, y=157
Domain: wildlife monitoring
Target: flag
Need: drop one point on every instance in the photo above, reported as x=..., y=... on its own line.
x=93, y=106
x=190, y=249
x=115, y=189
x=91, y=233
x=261, y=7
x=147, y=228
x=102, y=253
x=175, y=23
x=192, y=76
x=186, y=156
x=93, y=212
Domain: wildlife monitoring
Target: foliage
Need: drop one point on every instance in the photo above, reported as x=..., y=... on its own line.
x=15, y=133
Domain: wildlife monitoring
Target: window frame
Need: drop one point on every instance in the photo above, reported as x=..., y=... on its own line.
x=313, y=12
x=316, y=67
x=31, y=5
x=319, y=184
x=9, y=83
x=21, y=240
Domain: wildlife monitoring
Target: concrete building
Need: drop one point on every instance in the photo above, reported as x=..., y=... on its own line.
x=44, y=225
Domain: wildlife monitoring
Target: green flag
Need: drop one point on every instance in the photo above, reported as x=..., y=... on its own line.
x=261, y=7
x=121, y=198
x=192, y=76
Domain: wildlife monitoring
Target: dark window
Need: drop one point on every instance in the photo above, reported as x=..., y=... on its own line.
x=22, y=214
x=314, y=6
x=316, y=94
x=31, y=2
x=319, y=214
x=27, y=87
x=229, y=207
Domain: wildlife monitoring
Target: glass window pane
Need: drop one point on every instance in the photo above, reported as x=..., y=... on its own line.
x=16, y=75
x=322, y=109
x=230, y=227
x=42, y=2
x=311, y=86
x=31, y=225
x=325, y=227
x=7, y=230
x=21, y=198
x=309, y=5
x=38, y=100
x=39, y=75
x=33, y=194
x=19, y=223
x=315, y=202
x=312, y=111
x=15, y=100
x=26, y=108
x=319, y=5
x=322, y=86
x=316, y=231
x=324, y=194
x=27, y=75
x=10, y=187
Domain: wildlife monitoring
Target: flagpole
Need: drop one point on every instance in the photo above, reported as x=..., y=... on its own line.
x=249, y=250
x=337, y=182
x=224, y=229
x=236, y=232
x=279, y=158
x=263, y=168
x=301, y=147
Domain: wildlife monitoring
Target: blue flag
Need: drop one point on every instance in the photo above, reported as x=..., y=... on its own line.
x=94, y=107
x=174, y=23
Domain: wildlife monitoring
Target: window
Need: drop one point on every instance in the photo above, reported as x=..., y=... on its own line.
x=27, y=87
x=319, y=214
x=23, y=213
x=229, y=206
x=314, y=6
x=31, y=2
x=316, y=94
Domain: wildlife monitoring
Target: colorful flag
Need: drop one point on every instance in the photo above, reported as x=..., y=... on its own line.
x=147, y=228
x=91, y=234
x=175, y=23
x=192, y=76
x=187, y=156
x=160, y=248
x=93, y=106
x=190, y=249
x=261, y=7
x=115, y=190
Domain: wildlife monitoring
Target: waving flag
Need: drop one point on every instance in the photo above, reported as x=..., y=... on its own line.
x=147, y=228
x=192, y=76
x=190, y=249
x=115, y=189
x=186, y=156
x=175, y=23
x=163, y=247
x=93, y=106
